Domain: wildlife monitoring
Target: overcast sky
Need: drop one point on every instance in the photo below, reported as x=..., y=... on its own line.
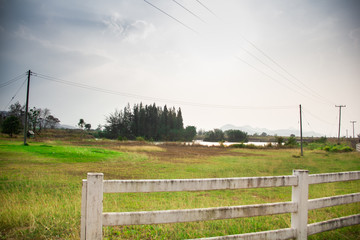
x=240, y=62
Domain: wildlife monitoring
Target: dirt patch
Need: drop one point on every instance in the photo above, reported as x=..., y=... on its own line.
x=165, y=151
x=179, y=151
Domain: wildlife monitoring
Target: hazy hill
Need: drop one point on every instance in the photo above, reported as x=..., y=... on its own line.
x=280, y=132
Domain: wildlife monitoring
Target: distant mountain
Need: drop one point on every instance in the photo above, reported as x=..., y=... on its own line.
x=64, y=126
x=280, y=132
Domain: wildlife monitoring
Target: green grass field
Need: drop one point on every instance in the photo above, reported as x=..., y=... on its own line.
x=40, y=187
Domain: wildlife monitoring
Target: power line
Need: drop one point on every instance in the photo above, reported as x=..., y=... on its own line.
x=15, y=95
x=320, y=119
x=278, y=73
x=282, y=68
x=141, y=97
x=267, y=75
x=13, y=80
x=170, y=16
x=206, y=7
x=309, y=90
x=306, y=89
x=189, y=11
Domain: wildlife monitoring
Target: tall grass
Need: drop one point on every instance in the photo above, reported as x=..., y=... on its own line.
x=40, y=188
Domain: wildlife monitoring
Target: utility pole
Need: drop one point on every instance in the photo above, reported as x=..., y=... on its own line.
x=353, y=122
x=301, y=138
x=27, y=108
x=340, y=106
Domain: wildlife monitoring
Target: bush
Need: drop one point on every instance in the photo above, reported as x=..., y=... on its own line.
x=121, y=138
x=291, y=142
x=238, y=145
x=11, y=126
x=140, y=139
x=321, y=140
x=269, y=145
x=337, y=148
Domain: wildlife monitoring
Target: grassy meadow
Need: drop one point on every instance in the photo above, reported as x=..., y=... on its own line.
x=40, y=186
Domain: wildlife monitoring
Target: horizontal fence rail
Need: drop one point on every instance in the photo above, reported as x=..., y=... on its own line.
x=193, y=215
x=280, y=234
x=93, y=219
x=178, y=185
x=334, y=177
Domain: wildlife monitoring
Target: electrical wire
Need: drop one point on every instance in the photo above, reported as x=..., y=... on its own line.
x=282, y=75
x=189, y=11
x=318, y=118
x=177, y=20
x=303, y=86
x=254, y=56
x=206, y=7
x=286, y=71
x=15, y=94
x=13, y=80
x=141, y=97
x=267, y=75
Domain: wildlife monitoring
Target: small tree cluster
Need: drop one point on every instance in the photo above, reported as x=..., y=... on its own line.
x=150, y=122
x=83, y=125
x=38, y=119
x=217, y=135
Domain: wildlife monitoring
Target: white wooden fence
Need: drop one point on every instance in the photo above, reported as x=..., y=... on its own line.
x=358, y=147
x=93, y=218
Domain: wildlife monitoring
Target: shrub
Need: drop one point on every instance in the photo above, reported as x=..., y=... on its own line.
x=291, y=142
x=140, y=139
x=321, y=140
x=337, y=148
x=238, y=145
x=121, y=138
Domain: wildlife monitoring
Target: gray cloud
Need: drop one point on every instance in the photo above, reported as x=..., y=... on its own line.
x=126, y=29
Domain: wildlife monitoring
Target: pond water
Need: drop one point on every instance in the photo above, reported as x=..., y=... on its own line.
x=203, y=143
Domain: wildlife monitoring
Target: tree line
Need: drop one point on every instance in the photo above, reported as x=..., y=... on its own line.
x=39, y=119
x=217, y=135
x=149, y=122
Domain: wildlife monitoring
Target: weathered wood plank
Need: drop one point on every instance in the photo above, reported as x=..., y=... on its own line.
x=300, y=196
x=333, y=201
x=333, y=224
x=174, y=185
x=280, y=234
x=191, y=215
x=83, y=210
x=94, y=205
x=334, y=177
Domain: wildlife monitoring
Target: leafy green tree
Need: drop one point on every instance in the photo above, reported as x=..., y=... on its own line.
x=51, y=121
x=34, y=119
x=279, y=140
x=11, y=126
x=215, y=135
x=291, y=142
x=149, y=121
x=88, y=126
x=189, y=133
x=81, y=123
x=179, y=120
x=236, y=136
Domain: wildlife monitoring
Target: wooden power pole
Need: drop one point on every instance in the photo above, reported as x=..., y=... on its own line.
x=340, y=106
x=27, y=108
x=353, y=122
x=301, y=138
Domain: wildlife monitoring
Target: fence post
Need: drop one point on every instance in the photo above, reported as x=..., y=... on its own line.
x=83, y=210
x=94, y=206
x=300, y=195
